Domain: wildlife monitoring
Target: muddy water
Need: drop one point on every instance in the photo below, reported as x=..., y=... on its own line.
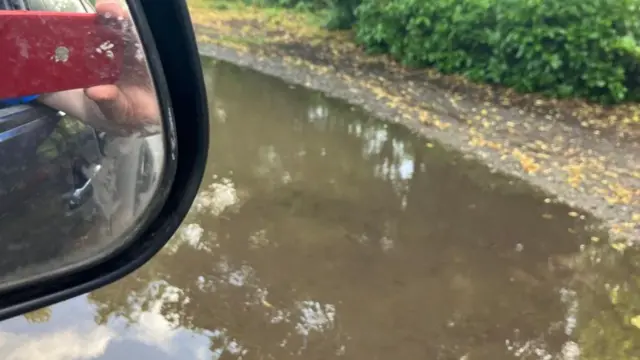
x=320, y=233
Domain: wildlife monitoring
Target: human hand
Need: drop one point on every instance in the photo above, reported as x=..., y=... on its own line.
x=131, y=102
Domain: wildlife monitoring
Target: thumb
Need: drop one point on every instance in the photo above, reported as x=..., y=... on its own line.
x=109, y=99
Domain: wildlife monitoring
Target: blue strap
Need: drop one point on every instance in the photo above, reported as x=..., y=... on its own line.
x=20, y=100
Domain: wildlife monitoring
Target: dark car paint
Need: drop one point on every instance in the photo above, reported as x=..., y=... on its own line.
x=46, y=188
x=41, y=166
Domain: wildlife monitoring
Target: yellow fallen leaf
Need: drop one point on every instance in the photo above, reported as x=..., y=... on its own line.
x=613, y=294
x=620, y=247
x=635, y=321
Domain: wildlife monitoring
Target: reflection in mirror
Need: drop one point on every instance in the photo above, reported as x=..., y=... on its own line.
x=81, y=143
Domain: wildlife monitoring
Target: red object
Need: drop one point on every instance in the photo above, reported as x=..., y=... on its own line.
x=43, y=52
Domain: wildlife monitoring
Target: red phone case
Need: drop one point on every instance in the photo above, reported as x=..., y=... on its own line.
x=43, y=52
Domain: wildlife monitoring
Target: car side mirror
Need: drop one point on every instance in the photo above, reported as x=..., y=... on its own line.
x=103, y=143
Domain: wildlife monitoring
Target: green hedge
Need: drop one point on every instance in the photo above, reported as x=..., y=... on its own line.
x=583, y=48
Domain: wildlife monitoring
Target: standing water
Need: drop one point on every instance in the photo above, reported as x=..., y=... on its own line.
x=321, y=233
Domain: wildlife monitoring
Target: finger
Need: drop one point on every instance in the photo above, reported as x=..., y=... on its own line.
x=113, y=14
x=117, y=106
x=102, y=92
x=109, y=99
x=110, y=9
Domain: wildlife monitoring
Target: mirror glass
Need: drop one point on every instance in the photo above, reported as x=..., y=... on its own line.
x=82, y=144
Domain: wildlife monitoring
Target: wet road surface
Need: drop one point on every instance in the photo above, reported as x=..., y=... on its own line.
x=320, y=233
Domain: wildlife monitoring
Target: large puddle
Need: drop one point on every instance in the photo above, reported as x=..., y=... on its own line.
x=320, y=233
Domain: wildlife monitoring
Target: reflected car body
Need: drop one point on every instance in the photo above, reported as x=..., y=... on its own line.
x=48, y=165
x=42, y=161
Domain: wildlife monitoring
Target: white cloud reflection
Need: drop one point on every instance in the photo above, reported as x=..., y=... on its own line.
x=220, y=195
x=69, y=344
x=85, y=340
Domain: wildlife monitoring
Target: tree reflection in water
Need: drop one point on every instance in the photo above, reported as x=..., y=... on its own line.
x=320, y=233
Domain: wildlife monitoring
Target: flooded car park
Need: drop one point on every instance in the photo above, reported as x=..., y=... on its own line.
x=321, y=233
